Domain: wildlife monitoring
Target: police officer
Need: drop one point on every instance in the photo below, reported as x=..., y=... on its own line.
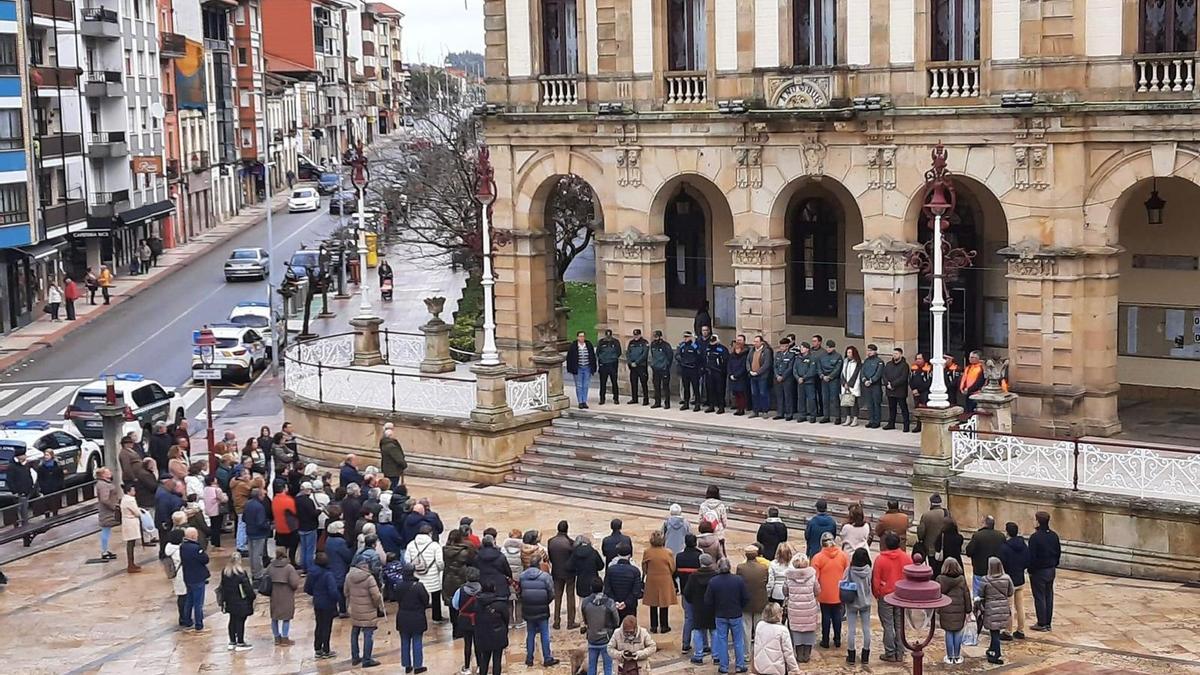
x=785, y=382
x=637, y=355
x=829, y=366
x=804, y=370
x=702, y=339
x=608, y=357
x=661, y=356
x=872, y=386
x=716, y=363
x=691, y=365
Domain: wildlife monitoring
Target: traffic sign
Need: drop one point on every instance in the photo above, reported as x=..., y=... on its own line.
x=206, y=374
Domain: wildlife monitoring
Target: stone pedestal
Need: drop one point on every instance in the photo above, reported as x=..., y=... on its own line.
x=552, y=363
x=760, y=267
x=995, y=410
x=931, y=471
x=437, y=347
x=491, y=397
x=366, y=340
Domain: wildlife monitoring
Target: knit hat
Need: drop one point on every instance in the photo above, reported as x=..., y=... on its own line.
x=310, y=469
x=935, y=500
x=706, y=560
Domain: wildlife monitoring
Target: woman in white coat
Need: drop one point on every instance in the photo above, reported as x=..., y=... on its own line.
x=851, y=386
x=131, y=525
x=425, y=555
x=773, y=652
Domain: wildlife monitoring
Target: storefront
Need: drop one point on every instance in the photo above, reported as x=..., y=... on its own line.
x=116, y=243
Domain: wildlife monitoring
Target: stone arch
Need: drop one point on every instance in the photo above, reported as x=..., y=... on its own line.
x=719, y=224
x=537, y=176
x=1109, y=192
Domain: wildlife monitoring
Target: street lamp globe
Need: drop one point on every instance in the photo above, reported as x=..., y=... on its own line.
x=918, y=591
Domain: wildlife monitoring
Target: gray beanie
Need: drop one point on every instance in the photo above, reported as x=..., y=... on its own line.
x=706, y=560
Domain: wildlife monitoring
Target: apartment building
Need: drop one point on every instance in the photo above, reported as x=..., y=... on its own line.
x=171, y=46
x=382, y=54
x=251, y=99
x=20, y=229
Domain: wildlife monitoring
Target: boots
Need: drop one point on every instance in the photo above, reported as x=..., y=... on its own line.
x=866, y=654
x=849, y=656
x=917, y=427
x=799, y=653
x=805, y=653
x=853, y=422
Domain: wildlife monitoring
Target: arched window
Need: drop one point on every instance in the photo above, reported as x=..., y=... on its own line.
x=560, y=41
x=686, y=226
x=687, y=35
x=813, y=226
x=955, y=30
x=1167, y=26
x=814, y=32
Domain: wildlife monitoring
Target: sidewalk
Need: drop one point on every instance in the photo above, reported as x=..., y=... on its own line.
x=42, y=333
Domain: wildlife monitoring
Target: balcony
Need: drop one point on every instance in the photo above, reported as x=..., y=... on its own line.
x=63, y=10
x=64, y=213
x=168, y=101
x=104, y=84
x=1165, y=73
x=216, y=45
x=172, y=45
x=199, y=161
x=107, y=144
x=172, y=169
x=954, y=79
x=54, y=144
x=105, y=205
x=99, y=22
x=686, y=88
x=559, y=90
x=44, y=77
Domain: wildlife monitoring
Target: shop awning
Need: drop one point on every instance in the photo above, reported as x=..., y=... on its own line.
x=146, y=212
x=44, y=249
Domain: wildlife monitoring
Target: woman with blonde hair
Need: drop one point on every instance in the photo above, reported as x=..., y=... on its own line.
x=777, y=574
x=236, y=597
x=802, y=608
x=773, y=654
x=177, y=464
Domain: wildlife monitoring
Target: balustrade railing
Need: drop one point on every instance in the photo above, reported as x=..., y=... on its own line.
x=1165, y=72
x=527, y=393
x=559, y=90
x=954, y=80
x=686, y=88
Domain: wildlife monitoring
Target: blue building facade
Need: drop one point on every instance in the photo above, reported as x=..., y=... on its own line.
x=18, y=282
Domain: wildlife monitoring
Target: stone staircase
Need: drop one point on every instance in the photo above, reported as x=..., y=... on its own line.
x=660, y=461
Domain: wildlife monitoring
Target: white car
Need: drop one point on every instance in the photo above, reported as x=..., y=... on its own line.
x=304, y=199
x=239, y=352
x=257, y=315
x=79, y=455
x=145, y=402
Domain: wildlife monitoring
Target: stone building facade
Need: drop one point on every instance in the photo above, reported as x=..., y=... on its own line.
x=768, y=157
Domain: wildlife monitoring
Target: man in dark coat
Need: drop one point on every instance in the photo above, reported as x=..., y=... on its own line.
x=536, y=592
x=493, y=567
x=19, y=479
x=704, y=620
x=687, y=563
x=661, y=357
x=1014, y=555
x=193, y=562
x=1045, y=551
x=349, y=473
x=691, y=366
x=637, y=355
x=702, y=319
x=829, y=367
x=716, y=365
x=771, y=533
x=895, y=384
x=612, y=543
x=623, y=582
x=785, y=382
x=729, y=597
x=581, y=364
x=160, y=445
x=920, y=380
x=804, y=370
x=559, y=548
x=392, y=462
x=166, y=502
x=608, y=356
x=871, y=385
x=985, y=543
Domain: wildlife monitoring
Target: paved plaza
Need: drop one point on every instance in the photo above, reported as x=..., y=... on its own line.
x=88, y=617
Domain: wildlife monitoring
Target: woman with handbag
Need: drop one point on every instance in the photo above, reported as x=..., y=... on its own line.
x=954, y=616
x=236, y=596
x=631, y=647
x=855, y=591
x=947, y=546
x=851, y=386
x=131, y=525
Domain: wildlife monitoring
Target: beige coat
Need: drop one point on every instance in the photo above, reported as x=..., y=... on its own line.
x=641, y=644
x=773, y=653
x=285, y=581
x=108, y=503
x=131, y=519
x=363, y=598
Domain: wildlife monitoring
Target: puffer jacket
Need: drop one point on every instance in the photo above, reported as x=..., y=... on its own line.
x=429, y=572
x=456, y=558
x=494, y=568
x=803, y=612
x=953, y=617
x=512, y=553
x=363, y=598
x=996, y=590
x=710, y=544
x=528, y=551
x=177, y=582
x=773, y=653
x=537, y=590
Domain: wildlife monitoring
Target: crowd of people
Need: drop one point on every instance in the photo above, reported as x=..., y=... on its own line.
x=796, y=381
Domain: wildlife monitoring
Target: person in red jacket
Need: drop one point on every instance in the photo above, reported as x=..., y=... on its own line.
x=287, y=524
x=889, y=568
x=70, y=295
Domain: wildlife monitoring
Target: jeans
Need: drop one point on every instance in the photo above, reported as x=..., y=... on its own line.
x=324, y=629
x=831, y=393
x=596, y=653
x=721, y=641
x=874, y=397
x=687, y=623
x=1042, y=583
x=368, y=642
x=785, y=398
x=239, y=540
x=863, y=617
x=280, y=628
x=582, y=379
x=195, y=604
x=954, y=643
x=105, y=535
x=639, y=375
x=22, y=510
x=760, y=393
x=890, y=618
x=977, y=583
x=258, y=548
x=533, y=628
x=609, y=374
x=412, y=651
x=831, y=616
x=702, y=640
x=994, y=647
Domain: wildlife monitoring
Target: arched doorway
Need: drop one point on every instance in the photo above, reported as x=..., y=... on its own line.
x=685, y=222
x=573, y=217
x=814, y=227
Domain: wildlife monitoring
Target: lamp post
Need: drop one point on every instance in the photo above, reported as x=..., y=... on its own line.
x=918, y=591
x=113, y=417
x=207, y=343
x=485, y=194
x=940, y=199
x=360, y=178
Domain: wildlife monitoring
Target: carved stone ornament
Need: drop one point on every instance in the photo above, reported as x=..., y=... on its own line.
x=799, y=92
x=881, y=167
x=752, y=250
x=994, y=372
x=749, y=166
x=633, y=246
x=1029, y=258
x=814, y=151
x=435, y=305
x=548, y=336
x=1030, y=167
x=885, y=254
x=629, y=166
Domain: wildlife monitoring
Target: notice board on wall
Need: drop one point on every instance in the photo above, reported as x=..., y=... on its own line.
x=1158, y=331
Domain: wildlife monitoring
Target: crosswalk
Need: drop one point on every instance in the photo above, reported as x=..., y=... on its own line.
x=48, y=401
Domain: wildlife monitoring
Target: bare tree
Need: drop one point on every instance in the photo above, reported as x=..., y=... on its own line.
x=571, y=211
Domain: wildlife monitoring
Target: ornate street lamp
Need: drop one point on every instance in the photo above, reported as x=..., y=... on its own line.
x=485, y=194
x=940, y=199
x=1154, y=206
x=916, y=593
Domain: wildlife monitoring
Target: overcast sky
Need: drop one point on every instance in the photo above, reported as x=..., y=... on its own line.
x=434, y=27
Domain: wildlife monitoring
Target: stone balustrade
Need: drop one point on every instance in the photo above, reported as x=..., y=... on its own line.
x=1165, y=73
x=954, y=80
x=559, y=90
x=686, y=88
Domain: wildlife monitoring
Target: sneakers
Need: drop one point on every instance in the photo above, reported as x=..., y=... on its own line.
x=1042, y=629
x=230, y=647
x=108, y=555
x=243, y=647
x=1018, y=635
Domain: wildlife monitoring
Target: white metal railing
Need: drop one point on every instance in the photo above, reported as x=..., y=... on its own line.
x=404, y=349
x=1165, y=72
x=1012, y=459
x=686, y=88
x=334, y=350
x=1157, y=472
x=948, y=80
x=527, y=394
x=558, y=90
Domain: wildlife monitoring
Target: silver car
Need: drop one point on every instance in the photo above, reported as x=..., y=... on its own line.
x=247, y=263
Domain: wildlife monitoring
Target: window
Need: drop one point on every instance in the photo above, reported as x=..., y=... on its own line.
x=243, y=59
x=560, y=47
x=35, y=50
x=813, y=226
x=239, y=15
x=11, y=130
x=955, y=35
x=8, y=54
x=687, y=35
x=814, y=32
x=12, y=198
x=247, y=138
x=687, y=258
x=1168, y=26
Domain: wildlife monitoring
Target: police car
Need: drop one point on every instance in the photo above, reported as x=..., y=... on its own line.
x=240, y=350
x=78, y=455
x=256, y=314
x=145, y=402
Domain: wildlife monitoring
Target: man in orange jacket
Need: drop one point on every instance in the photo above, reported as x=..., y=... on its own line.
x=972, y=380
x=889, y=568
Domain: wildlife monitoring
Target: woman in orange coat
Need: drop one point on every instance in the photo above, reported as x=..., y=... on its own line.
x=658, y=564
x=830, y=563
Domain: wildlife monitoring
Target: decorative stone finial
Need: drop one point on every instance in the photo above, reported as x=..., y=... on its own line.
x=548, y=336
x=994, y=371
x=435, y=305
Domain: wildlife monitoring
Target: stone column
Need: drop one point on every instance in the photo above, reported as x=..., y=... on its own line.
x=524, y=295
x=890, y=302
x=760, y=270
x=366, y=340
x=635, y=282
x=491, y=397
x=437, y=340
x=931, y=471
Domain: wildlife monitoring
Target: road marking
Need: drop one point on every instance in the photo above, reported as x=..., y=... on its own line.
x=64, y=381
x=5, y=393
x=227, y=393
x=191, y=396
x=21, y=400
x=51, y=400
x=219, y=404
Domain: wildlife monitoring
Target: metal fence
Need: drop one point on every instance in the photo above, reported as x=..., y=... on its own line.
x=1108, y=467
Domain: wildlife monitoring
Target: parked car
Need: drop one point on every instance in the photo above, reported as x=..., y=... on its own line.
x=343, y=201
x=80, y=456
x=239, y=352
x=257, y=315
x=329, y=183
x=247, y=263
x=303, y=259
x=304, y=199
x=145, y=402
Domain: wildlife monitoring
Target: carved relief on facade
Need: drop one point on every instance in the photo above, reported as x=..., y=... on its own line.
x=1029, y=258
x=885, y=254
x=799, y=92
x=879, y=131
x=629, y=156
x=749, y=166
x=1030, y=166
x=814, y=152
x=881, y=167
x=633, y=246
x=753, y=250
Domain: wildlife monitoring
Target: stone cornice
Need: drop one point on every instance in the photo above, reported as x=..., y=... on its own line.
x=1031, y=258
x=886, y=255
x=632, y=246
x=756, y=251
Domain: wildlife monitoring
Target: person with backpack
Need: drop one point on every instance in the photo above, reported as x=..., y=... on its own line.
x=491, y=628
x=537, y=590
x=464, y=605
x=412, y=598
x=714, y=512
x=855, y=591
x=326, y=596
x=425, y=555
x=236, y=598
x=284, y=581
x=173, y=568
